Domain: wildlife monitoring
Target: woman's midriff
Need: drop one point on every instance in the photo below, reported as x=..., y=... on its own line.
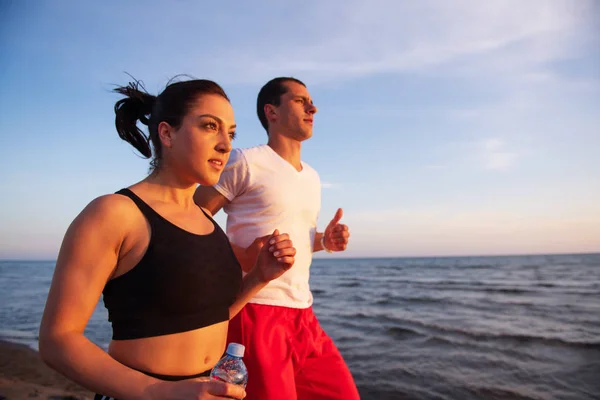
x=185, y=353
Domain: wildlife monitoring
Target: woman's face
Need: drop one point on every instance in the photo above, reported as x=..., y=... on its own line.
x=199, y=149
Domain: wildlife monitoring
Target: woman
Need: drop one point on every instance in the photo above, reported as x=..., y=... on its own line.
x=169, y=277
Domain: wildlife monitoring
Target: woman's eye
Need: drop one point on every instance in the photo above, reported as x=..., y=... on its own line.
x=211, y=125
x=232, y=135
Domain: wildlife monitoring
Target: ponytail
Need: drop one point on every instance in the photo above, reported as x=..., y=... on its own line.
x=137, y=105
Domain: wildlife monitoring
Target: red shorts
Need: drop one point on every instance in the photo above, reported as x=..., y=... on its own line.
x=289, y=356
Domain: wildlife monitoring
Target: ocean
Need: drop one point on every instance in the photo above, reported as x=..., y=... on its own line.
x=510, y=327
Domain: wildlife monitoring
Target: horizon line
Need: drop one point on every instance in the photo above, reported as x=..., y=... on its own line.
x=381, y=257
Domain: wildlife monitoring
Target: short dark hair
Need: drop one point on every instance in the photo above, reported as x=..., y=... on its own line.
x=170, y=106
x=271, y=93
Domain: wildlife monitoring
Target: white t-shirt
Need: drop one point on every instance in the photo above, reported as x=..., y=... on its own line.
x=265, y=193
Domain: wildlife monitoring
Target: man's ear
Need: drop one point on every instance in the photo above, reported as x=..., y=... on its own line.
x=270, y=112
x=165, y=134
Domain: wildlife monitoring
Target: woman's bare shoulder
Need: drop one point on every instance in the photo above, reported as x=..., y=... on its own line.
x=110, y=209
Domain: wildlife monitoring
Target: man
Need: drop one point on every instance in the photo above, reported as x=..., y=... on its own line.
x=266, y=187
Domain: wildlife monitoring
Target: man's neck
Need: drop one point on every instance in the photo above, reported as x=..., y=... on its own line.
x=288, y=149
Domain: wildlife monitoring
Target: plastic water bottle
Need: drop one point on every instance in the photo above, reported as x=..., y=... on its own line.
x=231, y=368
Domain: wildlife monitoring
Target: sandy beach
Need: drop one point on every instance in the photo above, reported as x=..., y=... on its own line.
x=23, y=375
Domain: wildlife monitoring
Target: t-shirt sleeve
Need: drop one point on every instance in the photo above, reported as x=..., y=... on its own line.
x=235, y=177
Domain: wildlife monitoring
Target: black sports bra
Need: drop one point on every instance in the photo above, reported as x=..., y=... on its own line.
x=183, y=282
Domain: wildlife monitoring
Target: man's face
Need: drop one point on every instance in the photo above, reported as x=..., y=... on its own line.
x=294, y=116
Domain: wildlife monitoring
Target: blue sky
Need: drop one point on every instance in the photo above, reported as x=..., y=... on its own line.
x=444, y=128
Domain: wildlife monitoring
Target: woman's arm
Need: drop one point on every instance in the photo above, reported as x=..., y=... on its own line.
x=275, y=256
x=87, y=258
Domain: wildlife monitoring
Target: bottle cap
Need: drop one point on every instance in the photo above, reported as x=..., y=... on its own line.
x=236, y=349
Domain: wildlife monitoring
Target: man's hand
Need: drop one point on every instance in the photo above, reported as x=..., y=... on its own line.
x=336, y=235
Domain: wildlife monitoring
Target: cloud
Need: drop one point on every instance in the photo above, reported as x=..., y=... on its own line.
x=491, y=154
x=495, y=157
x=329, y=185
x=367, y=38
x=320, y=41
x=436, y=167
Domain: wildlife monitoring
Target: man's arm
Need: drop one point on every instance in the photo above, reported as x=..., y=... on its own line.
x=209, y=198
x=317, y=246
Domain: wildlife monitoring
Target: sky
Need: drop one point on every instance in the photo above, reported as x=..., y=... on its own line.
x=444, y=127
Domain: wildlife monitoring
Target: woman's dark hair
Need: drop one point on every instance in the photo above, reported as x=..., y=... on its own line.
x=170, y=106
x=271, y=93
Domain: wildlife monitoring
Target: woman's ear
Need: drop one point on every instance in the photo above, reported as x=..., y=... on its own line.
x=165, y=134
